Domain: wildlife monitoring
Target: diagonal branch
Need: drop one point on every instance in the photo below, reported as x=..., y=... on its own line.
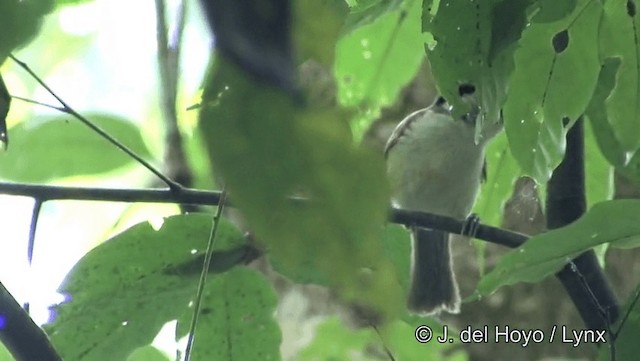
x=69, y=110
x=22, y=337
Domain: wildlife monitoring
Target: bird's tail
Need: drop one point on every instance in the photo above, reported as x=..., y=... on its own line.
x=433, y=285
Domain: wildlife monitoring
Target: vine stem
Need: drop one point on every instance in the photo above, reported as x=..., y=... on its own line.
x=203, y=277
x=174, y=186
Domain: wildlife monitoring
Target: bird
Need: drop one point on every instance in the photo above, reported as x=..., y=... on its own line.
x=435, y=164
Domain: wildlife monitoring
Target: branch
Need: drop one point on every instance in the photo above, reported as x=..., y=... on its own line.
x=583, y=278
x=212, y=198
x=22, y=337
x=168, y=57
x=68, y=110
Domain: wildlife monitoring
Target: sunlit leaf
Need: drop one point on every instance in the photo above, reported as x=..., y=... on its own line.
x=236, y=320
x=543, y=255
x=53, y=147
x=121, y=293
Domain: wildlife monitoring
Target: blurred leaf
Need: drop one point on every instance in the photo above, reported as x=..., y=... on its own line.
x=316, y=27
x=5, y=104
x=333, y=341
x=60, y=146
x=627, y=346
x=619, y=38
x=147, y=353
x=72, y=2
x=545, y=254
x=236, y=320
x=20, y=21
x=554, y=59
x=120, y=294
x=367, y=59
x=268, y=149
x=368, y=11
x=256, y=35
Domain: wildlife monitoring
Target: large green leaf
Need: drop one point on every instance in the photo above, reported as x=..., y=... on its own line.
x=53, y=147
x=121, y=293
x=615, y=222
x=237, y=319
x=556, y=70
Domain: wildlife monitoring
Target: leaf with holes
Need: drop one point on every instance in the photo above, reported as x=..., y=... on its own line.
x=556, y=71
x=60, y=146
x=121, y=293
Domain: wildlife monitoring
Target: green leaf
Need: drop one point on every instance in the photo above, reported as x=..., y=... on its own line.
x=317, y=27
x=367, y=59
x=236, y=320
x=600, y=180
x=543, y=255
x=20, y=21
x=270, y=148
x=502, y=172
x=122, y=292
x=475, y=42
x=619, y=38
x=597, y=113
x=60, y=146
x=554, y=59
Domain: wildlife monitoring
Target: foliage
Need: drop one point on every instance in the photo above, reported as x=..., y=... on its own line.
x=538, y=64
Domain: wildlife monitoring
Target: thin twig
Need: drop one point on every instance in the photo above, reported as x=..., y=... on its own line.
x=35, y=215
x=168, y=57
x=203, y=278
x=67, y=109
